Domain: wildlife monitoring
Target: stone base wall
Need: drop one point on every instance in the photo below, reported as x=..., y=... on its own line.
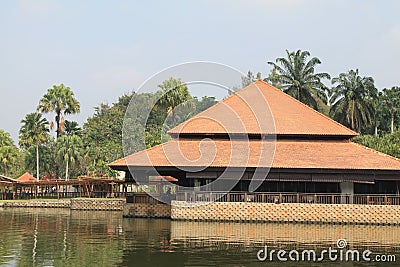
x=287, y=212
x=83, y=204
x=74, y=204
x=142, y=210
x=38, y=204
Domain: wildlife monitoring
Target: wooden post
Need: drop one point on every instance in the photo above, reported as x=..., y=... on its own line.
x=333, y=199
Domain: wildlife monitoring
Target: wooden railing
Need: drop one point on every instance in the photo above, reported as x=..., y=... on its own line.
x=316, y=198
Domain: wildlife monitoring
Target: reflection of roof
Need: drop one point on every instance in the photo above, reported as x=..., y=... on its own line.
x=247, y=112
x=164, y=179
x=256, y=153
x=98, y=179
x=27, y=178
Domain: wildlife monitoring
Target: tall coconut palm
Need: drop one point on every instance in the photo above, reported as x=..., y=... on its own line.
x=174, y=93
x=296, y=76
x=34, y=131
x=391, y=100
x=352, y=100
x=59, y=99
x=69, y=149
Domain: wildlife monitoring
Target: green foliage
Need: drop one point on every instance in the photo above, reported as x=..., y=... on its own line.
x=5, y=139
x=296, y=76
x=391, y=105
x=34, y=130
x=11, y=158
x=59, y=99
x=250, y=78
x=48, y=163
x=388, y=143
x=353, y=100
x=72, y=128
x=69, y=152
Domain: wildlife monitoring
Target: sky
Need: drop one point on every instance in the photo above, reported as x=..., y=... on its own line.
x=103, y=49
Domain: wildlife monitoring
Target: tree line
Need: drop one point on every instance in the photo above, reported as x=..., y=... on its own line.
x=72, y=151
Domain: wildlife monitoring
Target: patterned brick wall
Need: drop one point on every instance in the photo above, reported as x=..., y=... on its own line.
x=81, y=204
x=38, y=204
x=147, y=210
x=268, y=212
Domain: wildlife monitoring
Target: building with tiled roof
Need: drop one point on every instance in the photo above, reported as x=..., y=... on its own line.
x=26, y=178
x=260, y=133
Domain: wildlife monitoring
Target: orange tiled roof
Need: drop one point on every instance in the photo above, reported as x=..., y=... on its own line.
x=246, y=112
x=27, y=177
x=256, y=153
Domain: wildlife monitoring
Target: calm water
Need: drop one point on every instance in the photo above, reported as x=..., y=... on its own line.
x=60, y=237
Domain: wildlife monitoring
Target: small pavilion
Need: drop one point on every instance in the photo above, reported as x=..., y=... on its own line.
x=260, y=133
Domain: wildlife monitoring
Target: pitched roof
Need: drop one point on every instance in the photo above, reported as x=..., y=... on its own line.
x=247, y=112
x=257, y=153
x=27, y=177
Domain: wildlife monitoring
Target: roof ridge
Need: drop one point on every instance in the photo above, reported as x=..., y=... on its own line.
x=315, y=111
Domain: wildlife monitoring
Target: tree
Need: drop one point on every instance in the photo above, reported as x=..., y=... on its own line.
x=69, y=149
x=8, y=157
x=391, y=101
x=72, y=128
x=352, y=100
x=249, y=78
x=378, y=112
x=174, y=92
x=297, y=77
x=5, y=139
x=34, y=131
x=59, y=99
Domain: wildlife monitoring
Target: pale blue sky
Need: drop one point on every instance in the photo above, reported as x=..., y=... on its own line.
x=102, y=49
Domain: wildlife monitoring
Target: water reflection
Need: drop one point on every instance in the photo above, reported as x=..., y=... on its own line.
x=60, y=237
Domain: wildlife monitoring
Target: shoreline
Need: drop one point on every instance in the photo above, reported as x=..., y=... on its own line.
x=73, y=204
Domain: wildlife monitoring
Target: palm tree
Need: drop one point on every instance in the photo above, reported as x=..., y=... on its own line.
x=352, y=100
x=297, y=77
x=391, y=100
x=174, y=93
x=69, y=148
x=34, y=131
x=59, y=99
x=72, y=128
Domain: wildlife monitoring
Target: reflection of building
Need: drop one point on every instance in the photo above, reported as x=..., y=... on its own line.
x=313, y=154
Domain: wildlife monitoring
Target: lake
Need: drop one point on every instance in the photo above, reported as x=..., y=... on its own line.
x=61, y=237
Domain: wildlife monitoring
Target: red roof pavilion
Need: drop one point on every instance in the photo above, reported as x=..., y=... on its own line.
x=27, y=178
x=237, y=132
